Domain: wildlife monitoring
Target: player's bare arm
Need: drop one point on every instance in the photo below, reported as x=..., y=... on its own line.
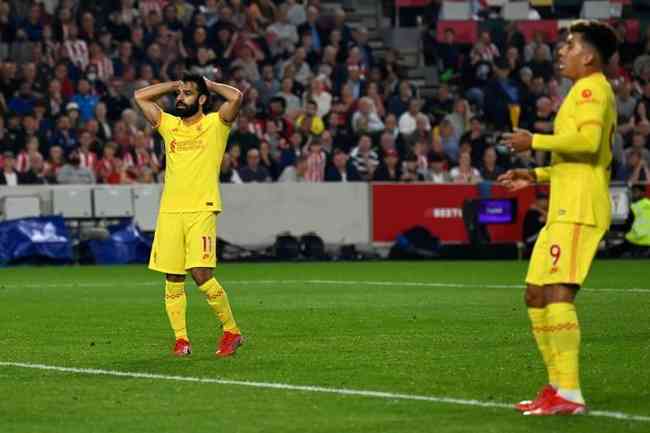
x=233, y=96
x=147, y=96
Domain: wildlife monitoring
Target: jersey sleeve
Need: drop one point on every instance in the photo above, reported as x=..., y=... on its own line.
x=223, y=128
x=165, y=124
x=590, y=106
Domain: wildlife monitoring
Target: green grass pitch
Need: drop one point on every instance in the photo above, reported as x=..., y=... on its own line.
x=464, y=334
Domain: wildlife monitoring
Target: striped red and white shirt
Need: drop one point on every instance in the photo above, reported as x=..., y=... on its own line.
x=315, y=167
x=77, y=52
x=104, y=67
x=22, y=161
x=88, y=160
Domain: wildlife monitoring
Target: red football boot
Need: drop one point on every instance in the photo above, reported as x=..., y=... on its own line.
x=558, y=405
x=544, y=394
x=229, y=344
x=182, y=348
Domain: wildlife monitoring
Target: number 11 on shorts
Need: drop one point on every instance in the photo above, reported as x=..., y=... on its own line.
x=207, y=246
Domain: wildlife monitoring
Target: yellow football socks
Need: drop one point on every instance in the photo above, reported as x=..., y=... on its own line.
x=564, y=338
x=176, y=306
x=541, y=333
x=218, y=300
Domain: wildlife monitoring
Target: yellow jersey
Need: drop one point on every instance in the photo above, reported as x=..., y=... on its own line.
x=581, y=154
x=193, y=155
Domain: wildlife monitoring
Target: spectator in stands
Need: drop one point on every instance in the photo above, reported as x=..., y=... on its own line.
x=423, y=131
x=73, y=173
x=228, y=173
x=366, y=120
x=295, y=173
x=36, y=173
x=364, y=158
x=439, y=172
x=538, y=47
x=64, y=135
x=341, y=169
x=268, y=85
x=448, y=138
x=484, y=49
x=108, y=167
x=31, y=150
x=286, y=92
x=464, y=172
x=318, y=94
x=341, y=26
x=302, y=72
x=86, y=153
x=389, y=170
x=311, y=26
x=316, y=161
x=540, y=64
x=639, y=144
x=514, y=62
x=253, y=171
x=400, y=103
x=637, y=168
x=267, y=160
x=448, y=52
x=501, y=91
x=310, y=122
x=407, y=121
x=410, y=169
x=490, y=170
x=9, y=176
x=461, y=116
x=476, y=139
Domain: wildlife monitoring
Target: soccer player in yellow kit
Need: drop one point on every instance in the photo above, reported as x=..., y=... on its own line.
x=579, y=212
x=186, y=230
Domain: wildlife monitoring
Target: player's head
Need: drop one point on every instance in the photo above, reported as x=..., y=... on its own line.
x=590, y=45
x=192, y=97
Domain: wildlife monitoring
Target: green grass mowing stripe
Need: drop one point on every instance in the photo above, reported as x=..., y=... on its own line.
x=301, y=388
x=332, y=282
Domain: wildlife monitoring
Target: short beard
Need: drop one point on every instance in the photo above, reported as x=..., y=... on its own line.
x=188, y=111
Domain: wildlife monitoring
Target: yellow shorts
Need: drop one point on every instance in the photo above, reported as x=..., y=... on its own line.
x=184, y=241
x=563, y=254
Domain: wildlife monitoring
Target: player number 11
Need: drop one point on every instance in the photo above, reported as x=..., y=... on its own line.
x=207, y=244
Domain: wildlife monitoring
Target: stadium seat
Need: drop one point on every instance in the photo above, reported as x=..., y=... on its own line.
x=452, y=10
x=596, y=10
x=72, y=202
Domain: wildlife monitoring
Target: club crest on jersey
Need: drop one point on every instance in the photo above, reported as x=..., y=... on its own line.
x=172, y=146
x=586, y=94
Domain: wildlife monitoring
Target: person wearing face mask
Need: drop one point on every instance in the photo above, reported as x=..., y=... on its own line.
x=73, y=173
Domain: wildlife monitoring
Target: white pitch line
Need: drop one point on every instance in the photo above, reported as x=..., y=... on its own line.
x=331, y=282
x=301, y=388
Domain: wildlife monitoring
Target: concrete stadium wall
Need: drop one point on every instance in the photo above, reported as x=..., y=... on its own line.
x=253, y=213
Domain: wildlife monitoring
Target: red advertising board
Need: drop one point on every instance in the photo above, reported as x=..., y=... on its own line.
x=398, y=207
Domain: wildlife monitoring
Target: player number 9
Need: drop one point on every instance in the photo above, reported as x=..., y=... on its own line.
x=556, y=251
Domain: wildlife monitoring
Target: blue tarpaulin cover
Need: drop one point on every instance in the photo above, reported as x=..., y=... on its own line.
x=35, y=239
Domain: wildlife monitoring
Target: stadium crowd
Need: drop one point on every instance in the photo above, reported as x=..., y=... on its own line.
x=320, y=104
